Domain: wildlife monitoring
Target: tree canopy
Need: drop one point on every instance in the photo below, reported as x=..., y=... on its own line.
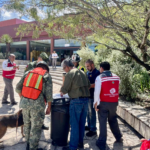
x=121, y=25
x=6, y=39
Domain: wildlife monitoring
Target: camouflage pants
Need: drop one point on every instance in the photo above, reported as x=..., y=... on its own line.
x=33, y=121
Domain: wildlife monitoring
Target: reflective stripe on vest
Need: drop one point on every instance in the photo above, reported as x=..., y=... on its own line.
x=29, y=78
x=38, y=82
x=80, y=67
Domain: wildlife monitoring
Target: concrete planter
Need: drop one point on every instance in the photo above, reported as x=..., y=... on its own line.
x=136, y=116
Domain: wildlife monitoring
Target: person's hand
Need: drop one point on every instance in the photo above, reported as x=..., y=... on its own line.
x=17, y=67
x=61, y=94
x=48, y=110
x=95, y=106
x=14, y=67
x=142, y=140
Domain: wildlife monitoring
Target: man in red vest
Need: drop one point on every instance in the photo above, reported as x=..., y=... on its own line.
x=9, y=70
x=105, y=102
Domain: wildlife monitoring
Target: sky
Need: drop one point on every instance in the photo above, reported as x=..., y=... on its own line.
x=7, y=15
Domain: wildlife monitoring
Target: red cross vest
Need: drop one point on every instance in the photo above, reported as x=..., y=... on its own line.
x=9, y=74
x=33, y=84
x=109, y=89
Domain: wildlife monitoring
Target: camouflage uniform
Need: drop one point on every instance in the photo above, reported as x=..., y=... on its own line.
x=34, y=111
x=33, y=64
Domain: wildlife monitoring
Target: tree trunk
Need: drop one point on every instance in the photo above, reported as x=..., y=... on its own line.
x=7, y=49
x=141, y=63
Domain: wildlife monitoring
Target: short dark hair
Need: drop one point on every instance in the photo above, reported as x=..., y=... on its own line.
x=43, y=67
x=90, y=61
x=105, y=65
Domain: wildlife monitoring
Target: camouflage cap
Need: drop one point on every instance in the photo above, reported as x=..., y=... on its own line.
x=43, y=63
x=44, y=56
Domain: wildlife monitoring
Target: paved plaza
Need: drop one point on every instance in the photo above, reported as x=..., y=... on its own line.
x=14, y=141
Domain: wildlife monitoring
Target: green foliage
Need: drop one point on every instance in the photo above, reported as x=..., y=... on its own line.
x=142, y=81
x=6, y=39
x=133, y=77
x=85, y=53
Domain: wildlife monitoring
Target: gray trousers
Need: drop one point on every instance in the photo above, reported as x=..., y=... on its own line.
x=54, y=62
x=107, y=111
x=8, y=90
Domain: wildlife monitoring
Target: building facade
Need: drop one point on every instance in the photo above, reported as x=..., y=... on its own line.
x=28, y=49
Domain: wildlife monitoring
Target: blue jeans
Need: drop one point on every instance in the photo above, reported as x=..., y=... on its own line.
x=91, y=117
x=78, y=112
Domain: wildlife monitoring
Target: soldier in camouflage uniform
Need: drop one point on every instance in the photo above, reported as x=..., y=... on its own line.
x=34, y=110
x=42, y=57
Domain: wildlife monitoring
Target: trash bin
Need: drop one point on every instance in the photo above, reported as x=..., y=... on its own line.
x=60, y=121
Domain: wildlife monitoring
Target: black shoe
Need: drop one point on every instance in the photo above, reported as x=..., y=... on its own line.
x=81, y=146
x=14, y=103
x=87, y=128
x=28, y=147
x=100, y=147
x=39, y=149
x=6, y=102
x=91, y=133
x=119, y=140
x=45, y=127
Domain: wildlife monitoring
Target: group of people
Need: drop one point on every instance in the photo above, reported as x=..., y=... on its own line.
x=90, y=91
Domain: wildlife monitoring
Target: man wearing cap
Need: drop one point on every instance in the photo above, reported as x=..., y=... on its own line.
x=77, y=85
x=35, y=88
x=9, y=70
x=75, y=60
x=42, y=57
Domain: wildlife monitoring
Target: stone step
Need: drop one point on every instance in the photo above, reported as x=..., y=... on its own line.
x=57, y=78
x=57, y=81
x=56, y=74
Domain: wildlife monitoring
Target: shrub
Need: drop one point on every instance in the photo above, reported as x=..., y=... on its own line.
x=125, y=68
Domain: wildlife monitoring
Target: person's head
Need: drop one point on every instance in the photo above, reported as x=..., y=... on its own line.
x=54, y=52
x=12, y=57
x=104, y=66
x=43, y=57
x=75, y=59
x=67, y=65
x=43, y=65
x=89, y=64
x=75, y=63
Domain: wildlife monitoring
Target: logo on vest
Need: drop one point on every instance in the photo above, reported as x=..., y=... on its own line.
x=112, y=91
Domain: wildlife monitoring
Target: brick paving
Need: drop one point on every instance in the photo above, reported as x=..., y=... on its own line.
x=13, y=141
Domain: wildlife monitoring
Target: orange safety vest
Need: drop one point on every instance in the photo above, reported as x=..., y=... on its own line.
x=33, y=84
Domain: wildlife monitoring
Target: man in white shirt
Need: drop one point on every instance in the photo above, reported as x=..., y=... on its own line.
x=106, y=96
x=9, y=70
x=54, y=59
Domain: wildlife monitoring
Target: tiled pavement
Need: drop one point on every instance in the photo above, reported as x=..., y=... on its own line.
x=13, y=141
